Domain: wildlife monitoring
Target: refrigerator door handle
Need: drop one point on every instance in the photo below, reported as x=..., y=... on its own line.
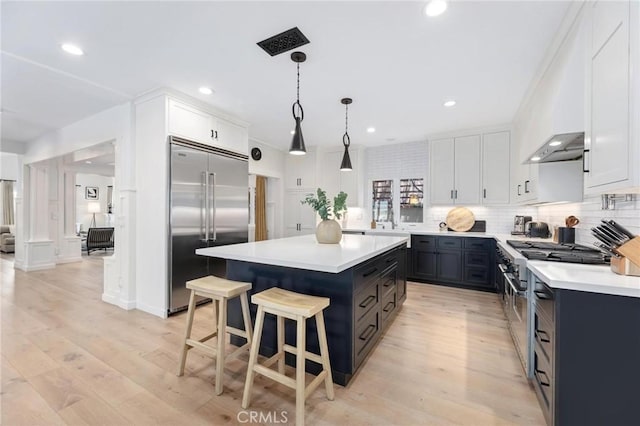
x=204, y=220
x=212, y=206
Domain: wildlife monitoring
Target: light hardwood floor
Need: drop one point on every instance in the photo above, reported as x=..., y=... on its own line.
x=69, y=358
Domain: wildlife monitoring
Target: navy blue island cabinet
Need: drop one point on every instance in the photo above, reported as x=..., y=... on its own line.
x=364, y=301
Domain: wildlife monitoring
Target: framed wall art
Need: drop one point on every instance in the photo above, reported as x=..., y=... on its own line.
x=91, y=193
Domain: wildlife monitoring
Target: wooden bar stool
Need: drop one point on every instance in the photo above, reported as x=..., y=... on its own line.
x=220, y=290
x=298, y=307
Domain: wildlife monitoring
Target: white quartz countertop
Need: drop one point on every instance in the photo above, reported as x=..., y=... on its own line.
x=304, y=252
x=589, y=278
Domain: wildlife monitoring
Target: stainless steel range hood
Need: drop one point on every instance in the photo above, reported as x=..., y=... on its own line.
x=565, y=147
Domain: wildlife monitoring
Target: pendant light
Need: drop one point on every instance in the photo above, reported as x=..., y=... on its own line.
x=297, y=143
x=345, y=166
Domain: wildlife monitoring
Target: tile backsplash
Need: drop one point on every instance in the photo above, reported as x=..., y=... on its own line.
x=627, y=213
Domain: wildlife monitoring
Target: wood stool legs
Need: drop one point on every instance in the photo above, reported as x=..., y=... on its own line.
x=301, y=345
x=187, y=333
x=253, y=357
x=324, y=353
x=222, y=336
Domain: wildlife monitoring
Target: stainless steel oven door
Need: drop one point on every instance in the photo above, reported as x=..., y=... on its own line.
x=517, y=315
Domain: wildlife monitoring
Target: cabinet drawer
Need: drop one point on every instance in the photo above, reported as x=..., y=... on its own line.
x=481, y=244
x=389, y=303
x=544, y=299
x=449, y=243
x=423, y=243
x=388, y=280
x=477, y=258
x=477, y=275
x=366, y=273
x=388, y=259
x=543, y=384
x=366, y=300
x=544, y=336
x=365, y=336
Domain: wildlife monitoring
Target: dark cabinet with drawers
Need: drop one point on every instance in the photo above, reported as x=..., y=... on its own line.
x=379, y=289
x=459, y=261
x=586, y=354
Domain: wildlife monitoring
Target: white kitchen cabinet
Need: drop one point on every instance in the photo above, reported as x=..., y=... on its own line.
x=231, y=136
x=496, y=160
x=194, y=124
x=300, y=170
x=190, y=123
x=333, y=180
x=613, y=134
x=455, y=170
x=299, y=219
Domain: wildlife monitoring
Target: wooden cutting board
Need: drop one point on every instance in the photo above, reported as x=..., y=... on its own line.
x=460, y=219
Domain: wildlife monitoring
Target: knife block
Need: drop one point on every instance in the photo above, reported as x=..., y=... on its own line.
x=629, y=262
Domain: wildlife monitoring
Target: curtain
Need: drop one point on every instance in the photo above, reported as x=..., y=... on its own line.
x=6, y=188
x=261, y=208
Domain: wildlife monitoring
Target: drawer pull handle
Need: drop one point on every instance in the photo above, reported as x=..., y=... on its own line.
x=391, y=259
x=366, y=302
x=543, y=383
x=368, y=332
x=369, y=272
x=540, y=333
x=387, y=308
x=389, y=283
x=542, y=295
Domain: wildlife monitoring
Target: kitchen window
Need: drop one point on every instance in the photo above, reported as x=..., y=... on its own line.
x=382, y=201
x=411, y=200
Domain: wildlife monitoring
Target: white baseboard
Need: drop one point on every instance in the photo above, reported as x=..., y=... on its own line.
x=68, y=260
x=40, y=267
x=153, y=310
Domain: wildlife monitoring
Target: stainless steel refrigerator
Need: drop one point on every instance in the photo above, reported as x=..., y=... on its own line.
x=208, y=206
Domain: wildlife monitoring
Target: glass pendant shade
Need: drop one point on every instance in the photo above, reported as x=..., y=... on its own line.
x=345, y=166
x=297, y=143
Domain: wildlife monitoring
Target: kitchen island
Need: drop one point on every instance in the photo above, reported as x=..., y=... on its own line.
x=364, y=277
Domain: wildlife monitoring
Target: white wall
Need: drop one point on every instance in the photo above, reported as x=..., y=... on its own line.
x=82, y=204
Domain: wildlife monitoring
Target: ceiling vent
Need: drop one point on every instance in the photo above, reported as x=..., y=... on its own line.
x=284, y=42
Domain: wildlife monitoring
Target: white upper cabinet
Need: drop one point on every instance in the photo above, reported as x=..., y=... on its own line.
x=231, y=136
x=442, y=160
x=190, y=123
x=300, y=170
x=467, y=170
x=455, y=170
x=613, y=134
x=495, y=168
x=194, y=124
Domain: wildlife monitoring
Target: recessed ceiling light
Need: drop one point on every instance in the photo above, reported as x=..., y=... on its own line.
x=205, y=90
x=371, y=129
x=450, y=104
x=72, y=49
x=293, y=132
x=536, y=158
x=88, y=162
x=555, y=143
x=435, y=8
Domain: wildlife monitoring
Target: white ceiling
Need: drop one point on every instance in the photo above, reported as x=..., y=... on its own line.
x=398, y=65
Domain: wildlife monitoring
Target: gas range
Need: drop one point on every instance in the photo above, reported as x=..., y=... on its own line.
x=554, y=252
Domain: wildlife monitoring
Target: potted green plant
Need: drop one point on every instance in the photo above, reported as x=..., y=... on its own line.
x=328, y=230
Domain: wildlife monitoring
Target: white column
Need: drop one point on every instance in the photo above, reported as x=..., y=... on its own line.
x=70, y=245
x=39, y=250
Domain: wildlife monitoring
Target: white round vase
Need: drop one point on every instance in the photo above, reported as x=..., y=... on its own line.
x=328, y=232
